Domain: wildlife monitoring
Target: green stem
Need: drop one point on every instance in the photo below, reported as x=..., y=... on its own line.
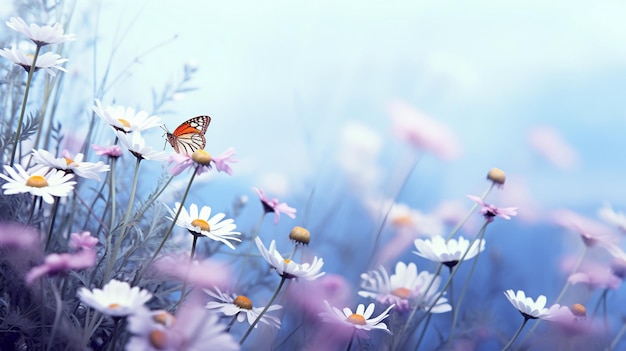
x=618, y=337
x=120, y=239
x=246, y=258
x=193, y=252
x=562, y=293
x=519, y=330
x=351, y=340
x=168, y=233
x=258, y=318
x=55, y=208
x=464, y=290
x=24, y=101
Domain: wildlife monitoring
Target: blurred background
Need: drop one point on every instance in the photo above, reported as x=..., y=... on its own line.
x=321, y=99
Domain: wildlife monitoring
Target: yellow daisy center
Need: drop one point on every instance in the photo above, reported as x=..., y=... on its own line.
x=68, y=161
x=114, y=306
x=204, y=225
x=124, y=122
x=164, y=318
x=287, y=260
x=578, y=310
x=243, y=302
x=158, y=339
x=356, y=319
x=402, y=220
x=201, y=157
x=37, y=181
x=402, y=293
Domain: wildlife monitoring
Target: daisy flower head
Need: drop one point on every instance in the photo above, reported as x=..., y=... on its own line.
x=240, y=306
x=125, y=119
x=40, y=35
x=192, y=329
x=202, y=162
x=115, y=299
x=287, y=268
x=200, y=223
x=359, y=319
x=528, y=307
x=113, y=151
x=48, y=61
x=70, y=164
x=450, y=252
x=43, y=182
x=136, y=144
x=491, y=211
x=404, y=287
x=275, y=206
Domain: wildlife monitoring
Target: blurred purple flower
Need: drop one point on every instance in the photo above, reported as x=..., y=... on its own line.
x=192, y=329
x=83, y=240
x=275, y=206
x=491, y=211
x=113, y=151
x=13, y=235
x=59, y=263
x=204, y=274
x=423, y=131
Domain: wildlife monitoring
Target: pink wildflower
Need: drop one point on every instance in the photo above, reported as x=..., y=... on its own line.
x=275, y=206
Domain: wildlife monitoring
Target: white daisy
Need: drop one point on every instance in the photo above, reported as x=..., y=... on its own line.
x=527, y=307
x=360, y=319
x=40, y=35
x=193, y=329
x=70, y=165
x=287, y=268
x=449, y=253
x=404, y=288
x=43, y=182
x=125, y=119
x=199, y=223
x=136, y=144
x=116, y=298
x=241, y=306
x=47, y=61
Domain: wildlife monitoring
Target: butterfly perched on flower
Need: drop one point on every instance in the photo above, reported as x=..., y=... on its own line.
x=189, y=136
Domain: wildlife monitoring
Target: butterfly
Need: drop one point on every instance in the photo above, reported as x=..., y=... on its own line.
x=189, y=136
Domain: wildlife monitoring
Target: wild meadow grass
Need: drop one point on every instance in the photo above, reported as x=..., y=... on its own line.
x=98, y=253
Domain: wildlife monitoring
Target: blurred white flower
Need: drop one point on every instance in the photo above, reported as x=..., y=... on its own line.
x=116, y=298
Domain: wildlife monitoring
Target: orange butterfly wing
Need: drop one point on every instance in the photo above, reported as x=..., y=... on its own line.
x=189, y=136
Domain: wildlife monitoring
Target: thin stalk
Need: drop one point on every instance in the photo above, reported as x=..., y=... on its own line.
x=24, y=101
x=120, y=239
x=258, y=318
x=169, y=230
x=464, y=290
x=519, y=330
x=55, y=208
x=193, y=252
x=351, y=340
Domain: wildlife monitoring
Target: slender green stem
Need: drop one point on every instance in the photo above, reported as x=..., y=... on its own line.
x=232, y=322
x=169, y=231
x=464, y=290
x=563, y=291
x=120, y=239
x=55, y=208
x=618, y=337
x=419, y=340
x=24, y=101
x=193, y=252
x=258, y=318
x=519, y=330
x=246, y=258
x=469, y=213
x=57, y=315
x=351, y=340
